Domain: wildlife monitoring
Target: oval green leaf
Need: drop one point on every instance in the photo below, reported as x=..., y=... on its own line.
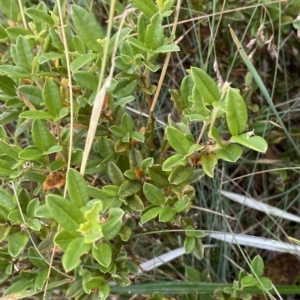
x=16, y=243
x=87, y=28
x=36, y=115
x=114, y=223
x=166, y=214
x=146, y=6
x=7, y=85
x=38, y=15
x=77, y=188
x=129, y=188
x=256, y=143
x=231, y=153
x=208, y=162
x=103, y=254
x=180, y=174
x=236, y=112
x=174, y=160
x=153, y=194
x=115, y=174
x=205, y=85
x=154, y=37
x=150, y=214
x=71, y=258
x=52, y=98
x=257, y=266
x=178, y=141
x=24, y=53
x=41, y=136
x=65, y=213
x=189, y=244
x=158, y=176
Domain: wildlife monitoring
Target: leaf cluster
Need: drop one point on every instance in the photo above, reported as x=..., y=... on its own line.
x=86, y=220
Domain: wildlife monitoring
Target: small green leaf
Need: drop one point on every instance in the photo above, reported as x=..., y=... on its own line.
x=206, y=85
x=32, y=93
x=24, y=53
x=154, y=37
x=256, y=143
x=236, y=112
x=4, y=232
x=5, y=168
x=77, y=188
x=115, y=174
x=65, y=213
x=86, y=80
x=87, y=28
x=78, y=45
x=178, y=141
x=41, y=279
x=180, y=174
x=135, y=203
x=266, y=284
x=198, y=103
x=216, y=136
x=179, y=104
x=166, y=214
x=3, y=34
x=17, y=242
x=174, y=160
x=231, y=153
x=16, y=71
x=150, y=214
x=52, y=98
x=113, y=224
x=92, y=229
x=7, y=85
x=158, y=176
x=12, y=151
x=181, y=205
x=235, y=16
x=15, y=31
x=127, y=123
x=248, y=281
x=208, y=162
x=82, y=60
x=186, y=88
x=146, y=6
x=167, y=48
x=41, y=136
x=128, y=188
x=153, y=194
x=36, y=115
x=138, y=44
x=63, y=238
x=103, y=254
x=142, y=23
x=296, y=24
x=147, y=163
x=122, y=36
x=124, y=87
x=189, y=244
x=36, y=259
x=257, y=265
x=135, y=158
x=38, y=15
x=53, y=149
x=31, y=154
x=31, y=208
x=76, y=248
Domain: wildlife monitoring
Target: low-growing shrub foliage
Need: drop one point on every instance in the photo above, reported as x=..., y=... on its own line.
x=66, y=225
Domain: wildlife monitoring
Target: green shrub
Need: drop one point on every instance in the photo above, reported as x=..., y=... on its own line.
x=80, y=168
